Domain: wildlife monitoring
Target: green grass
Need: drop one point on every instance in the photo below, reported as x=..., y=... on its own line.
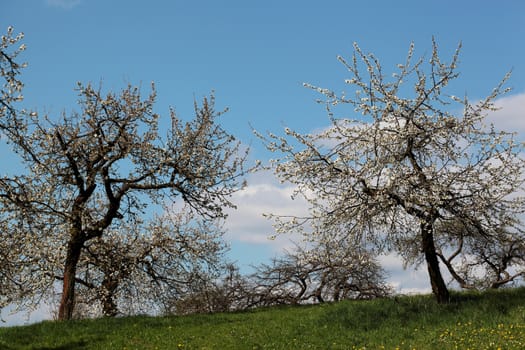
x=490, y=320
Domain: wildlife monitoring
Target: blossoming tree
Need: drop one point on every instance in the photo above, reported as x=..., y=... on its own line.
x=407, y=166
x=88, y=172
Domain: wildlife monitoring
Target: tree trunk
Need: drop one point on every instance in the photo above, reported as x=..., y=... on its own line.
x=109, y=307
x=439, y=288
x=67, y=302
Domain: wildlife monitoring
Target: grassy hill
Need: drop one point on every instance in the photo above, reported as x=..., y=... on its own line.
x=489, y=320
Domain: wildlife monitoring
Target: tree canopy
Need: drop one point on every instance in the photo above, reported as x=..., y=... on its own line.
x=416, y=162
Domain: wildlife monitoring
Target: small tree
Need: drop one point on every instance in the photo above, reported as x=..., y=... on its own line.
x=407, y=166
x=330, y=271
x=90, y=172
x=231, y=291
x=139, y=268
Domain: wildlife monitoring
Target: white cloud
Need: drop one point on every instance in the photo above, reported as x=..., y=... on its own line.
x=263, y=195
x=10, y=319
x=63, y=4
x=405, y=280
x=511, y=115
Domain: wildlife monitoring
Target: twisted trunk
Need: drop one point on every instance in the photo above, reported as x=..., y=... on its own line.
x=67, y=301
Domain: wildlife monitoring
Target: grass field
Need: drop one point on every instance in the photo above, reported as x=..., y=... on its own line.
x=489, y=320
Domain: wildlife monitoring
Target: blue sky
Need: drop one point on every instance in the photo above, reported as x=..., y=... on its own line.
x=256, y=55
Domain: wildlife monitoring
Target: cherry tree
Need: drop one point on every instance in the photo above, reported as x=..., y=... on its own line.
x=89, y=172
x=414, y=159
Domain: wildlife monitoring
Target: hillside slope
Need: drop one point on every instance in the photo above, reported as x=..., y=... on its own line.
x=489, y=320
